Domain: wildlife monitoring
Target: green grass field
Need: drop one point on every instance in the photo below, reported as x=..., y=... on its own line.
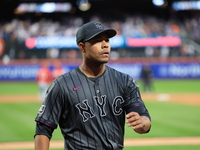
x=168, y=119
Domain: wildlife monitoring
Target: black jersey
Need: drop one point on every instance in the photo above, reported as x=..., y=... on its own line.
x=91, y=111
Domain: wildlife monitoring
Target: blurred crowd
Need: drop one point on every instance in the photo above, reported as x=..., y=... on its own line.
x=16, y=31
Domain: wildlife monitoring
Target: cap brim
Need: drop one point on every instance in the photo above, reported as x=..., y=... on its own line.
x=111, y=33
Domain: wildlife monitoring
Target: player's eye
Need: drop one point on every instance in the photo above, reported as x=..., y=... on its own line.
x=107, y=40
x=98, y=40
x=101, y=40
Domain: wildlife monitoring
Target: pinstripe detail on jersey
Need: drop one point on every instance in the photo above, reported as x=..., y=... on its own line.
x=93, y=115
x=78, y=78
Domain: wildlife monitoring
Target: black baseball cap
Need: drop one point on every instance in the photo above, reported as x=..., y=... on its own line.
x=92, y=29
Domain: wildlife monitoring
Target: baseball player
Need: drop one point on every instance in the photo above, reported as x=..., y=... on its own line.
x=43, y=79
x=92, y=102
x=58, y=69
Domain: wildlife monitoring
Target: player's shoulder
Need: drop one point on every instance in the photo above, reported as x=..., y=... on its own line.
x=67, y=75
x=117, y=72
x=120, y=76
x=125, y=80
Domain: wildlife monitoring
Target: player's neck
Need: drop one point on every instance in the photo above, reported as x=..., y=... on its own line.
x=91, y=70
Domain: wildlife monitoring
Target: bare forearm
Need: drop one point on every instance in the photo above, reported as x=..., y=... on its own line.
x=41, y=142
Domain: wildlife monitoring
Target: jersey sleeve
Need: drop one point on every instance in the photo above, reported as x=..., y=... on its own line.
x=42, y=129
x=133, y=100
x=50, y=111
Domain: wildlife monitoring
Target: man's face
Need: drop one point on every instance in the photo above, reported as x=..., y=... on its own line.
x=97, y=49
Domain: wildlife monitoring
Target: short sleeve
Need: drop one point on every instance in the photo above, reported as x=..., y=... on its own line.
x=50, y=111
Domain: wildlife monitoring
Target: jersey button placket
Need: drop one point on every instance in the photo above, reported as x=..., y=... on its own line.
x=97, y=88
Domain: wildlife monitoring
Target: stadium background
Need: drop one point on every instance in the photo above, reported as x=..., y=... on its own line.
x=168, y=41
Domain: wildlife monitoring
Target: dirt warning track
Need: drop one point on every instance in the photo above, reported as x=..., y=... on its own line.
x=127, y=142
x=185, y=98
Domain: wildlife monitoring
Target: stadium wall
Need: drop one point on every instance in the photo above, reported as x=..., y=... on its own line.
x=171, y=68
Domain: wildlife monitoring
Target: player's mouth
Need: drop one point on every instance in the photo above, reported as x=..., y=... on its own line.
x=105, y=53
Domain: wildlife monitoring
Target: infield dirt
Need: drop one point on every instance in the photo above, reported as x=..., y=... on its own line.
x=186, y=98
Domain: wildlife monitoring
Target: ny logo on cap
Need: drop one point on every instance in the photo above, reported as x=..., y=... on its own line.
x=98, y=25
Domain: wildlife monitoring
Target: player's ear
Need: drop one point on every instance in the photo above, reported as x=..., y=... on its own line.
x=81, y=47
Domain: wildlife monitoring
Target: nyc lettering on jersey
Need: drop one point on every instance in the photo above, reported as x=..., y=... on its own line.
x=100, y=103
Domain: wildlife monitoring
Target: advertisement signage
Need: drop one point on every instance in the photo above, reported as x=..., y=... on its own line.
x=166, y=71
x=118, y=41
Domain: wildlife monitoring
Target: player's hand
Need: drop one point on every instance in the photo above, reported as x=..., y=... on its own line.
x=134, y=120
x=140, y=124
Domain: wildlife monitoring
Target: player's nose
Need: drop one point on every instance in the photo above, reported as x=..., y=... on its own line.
x=105, y=44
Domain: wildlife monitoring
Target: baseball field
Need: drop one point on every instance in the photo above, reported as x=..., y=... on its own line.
x=174, y=106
